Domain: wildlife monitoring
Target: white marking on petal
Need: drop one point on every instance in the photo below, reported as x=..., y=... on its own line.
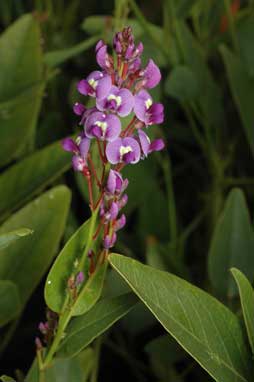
x=118, y=99
x=124, y=150
x=103, y=126
x=78, y=140
x=148, y=103
x=93, y=83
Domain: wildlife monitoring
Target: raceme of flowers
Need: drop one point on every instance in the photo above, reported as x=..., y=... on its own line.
x=119, y=88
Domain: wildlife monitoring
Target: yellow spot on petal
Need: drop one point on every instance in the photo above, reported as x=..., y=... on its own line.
x=118, y=99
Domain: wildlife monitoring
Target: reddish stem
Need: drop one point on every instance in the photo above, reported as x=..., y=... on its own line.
x=87, y=175
x=124, y=132
x=93, y=170
x=100, y=152
x=98, y=230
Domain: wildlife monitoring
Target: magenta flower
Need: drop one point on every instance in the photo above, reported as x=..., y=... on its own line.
x=78, y=108
x=120, y=101
x=115, y=183
x=103, y=126
x=79, y=148
x=104, y=60
x=151, y=75
x=146, y=111
x=97, y=84
x=123, y=150
x=146, y=146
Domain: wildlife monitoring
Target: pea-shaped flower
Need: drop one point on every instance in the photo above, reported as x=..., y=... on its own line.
x=123, y=150
x=97, y=84
x=120, y=101
x=103, y=126
x=148, y=112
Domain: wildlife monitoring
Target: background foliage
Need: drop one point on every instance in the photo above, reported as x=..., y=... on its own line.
x=190, y=208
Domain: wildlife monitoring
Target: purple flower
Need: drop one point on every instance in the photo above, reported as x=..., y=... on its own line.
x=120, y=223
x=125, y=150
x=120, y=101
x=148, y=112
x=80, y=148
x=104, y=60
x=78, y=108
x=109, y=241
x=151, y=75
x=79, y=278
x=103, y=126
x=115, y=183
x=146, y=145
x=97, y=84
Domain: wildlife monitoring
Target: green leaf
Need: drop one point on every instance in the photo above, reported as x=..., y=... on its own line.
x=242, y=89
x=38, y=171
x=204, y=327
x=77, y=369
x=232, y=245
x=21, y=86
x=247, y=300
x=26, y=261
x=182, y=84
x=84, y=329
x=92, y=290
x=5, y=378
x=58, y=57
x=9, y=237
x=9, y=301
x=64, y=265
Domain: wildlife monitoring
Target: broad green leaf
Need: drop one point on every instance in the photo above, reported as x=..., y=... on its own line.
x=38, y=170
x=64, y=266
x=242, y=89
x=9, y=301
x=232, y=245
x=84, y=329
x=58, y=57
x=9, y=237
x=247, y=300
x=204, y=327
x=26, y=261
x=21, y=85
x=92, y=290
x=77, y=369
x=5, y=378
x=182, y=84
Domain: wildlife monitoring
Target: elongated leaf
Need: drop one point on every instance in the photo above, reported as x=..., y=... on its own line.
x=38, y=170
x=9, y=301
x=203, y=326
x=77, y=369
x=242, y=89
x=247, y=300
x=92, y=290
x=26, y=261
x=58, y=57
x=84, y=329
x=20, y=85
x=9, y=237
x=64, y=265
x=232, y=245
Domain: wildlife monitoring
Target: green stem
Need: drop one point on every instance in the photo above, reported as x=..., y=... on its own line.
x=231, y=25
x=67, y=311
